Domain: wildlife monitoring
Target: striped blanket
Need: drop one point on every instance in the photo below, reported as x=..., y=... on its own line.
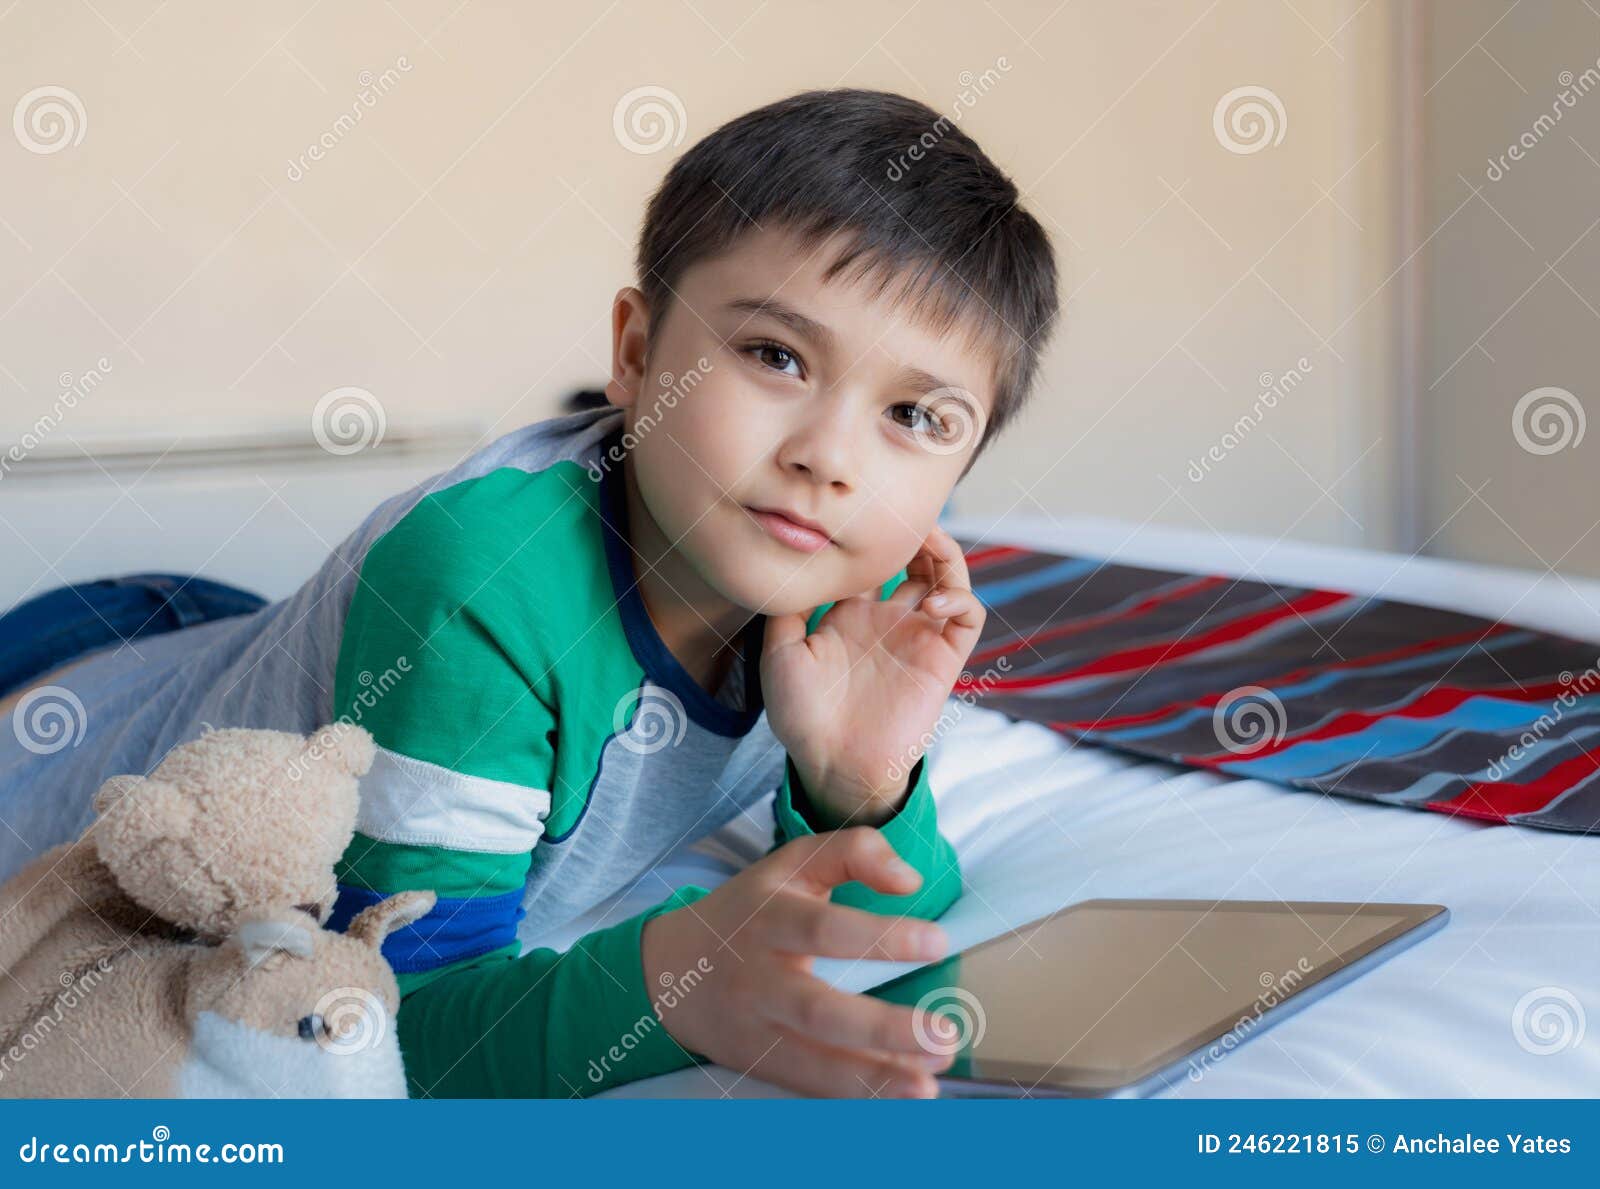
x=1316, y=689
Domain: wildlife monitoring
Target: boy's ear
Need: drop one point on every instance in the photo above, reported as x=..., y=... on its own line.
x=630, y=334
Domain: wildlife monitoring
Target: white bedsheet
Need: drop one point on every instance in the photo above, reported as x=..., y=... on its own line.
x=1040, y=824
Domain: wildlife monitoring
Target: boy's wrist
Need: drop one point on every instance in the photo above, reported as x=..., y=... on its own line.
x=841, y=800
x=665, y=937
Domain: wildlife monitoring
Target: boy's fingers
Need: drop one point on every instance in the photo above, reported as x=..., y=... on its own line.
x=824, y=1071
x=819, y=928
x=964, y=614
x=816, y=1011
x=958, y=573
x=783, y=629
x=928, y=566
x=823, y=861
x=962, y=606
x=920, y=566
x=943, y=570
x=911, y=591
x=945, y=563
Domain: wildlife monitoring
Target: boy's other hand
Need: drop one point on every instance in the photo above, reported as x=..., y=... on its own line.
x=853, y=702
x=759, y=1009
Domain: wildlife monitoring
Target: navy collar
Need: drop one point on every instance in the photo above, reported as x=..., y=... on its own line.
x=648, y=648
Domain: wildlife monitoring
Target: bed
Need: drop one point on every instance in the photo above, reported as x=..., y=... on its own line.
x=1494, y=1005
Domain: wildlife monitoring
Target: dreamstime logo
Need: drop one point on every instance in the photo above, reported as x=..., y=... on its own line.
x=1275, y=989
x=1576, y=688
x=948, y=1020
x=49, y=119
x=670, y=390
x=1548, y=1020
x=348, y=421
x=660, y=721
x=1248, y=719
x=1547, y=421
x=353, y=1021
x=674, y=989
x=973, y=88
x=155, y=1150
x=373, y=87
x=649, y=119
x=1573, y=88
x=1249, y=119
x=49, y=719
x=1273, y=388
x=73, y=389
x=970, y=688
x=956, y=417
x=75, y=987
x=373, y=690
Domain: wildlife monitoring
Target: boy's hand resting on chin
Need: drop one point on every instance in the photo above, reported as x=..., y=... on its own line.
x=852, y=701
x=760, y=1010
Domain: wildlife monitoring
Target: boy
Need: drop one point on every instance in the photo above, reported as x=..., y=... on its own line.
x=610, y=633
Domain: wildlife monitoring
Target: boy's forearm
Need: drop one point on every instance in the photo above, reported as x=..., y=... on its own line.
x=913, y=831
x=546, y=1024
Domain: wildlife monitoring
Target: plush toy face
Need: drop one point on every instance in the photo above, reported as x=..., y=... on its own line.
x=233, y=821
x=286, y=1008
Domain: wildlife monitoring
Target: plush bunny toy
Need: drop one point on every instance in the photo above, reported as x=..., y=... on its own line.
x=177, y=948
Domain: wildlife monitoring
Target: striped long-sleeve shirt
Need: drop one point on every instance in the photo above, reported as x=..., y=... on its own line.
x=539, y=748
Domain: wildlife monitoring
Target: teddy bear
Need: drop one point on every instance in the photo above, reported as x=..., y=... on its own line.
x=177, y=948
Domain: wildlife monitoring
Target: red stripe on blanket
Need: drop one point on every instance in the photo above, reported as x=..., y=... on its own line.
x=1099, y=621
x=1150, y=656
x=1437, y=643
x=983, y=557
x=1496, y=801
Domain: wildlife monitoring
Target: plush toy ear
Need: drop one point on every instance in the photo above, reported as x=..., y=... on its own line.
x=261, y=935
x=112, y=791
x=351, y=747
x=140, y=810
x=372, y=925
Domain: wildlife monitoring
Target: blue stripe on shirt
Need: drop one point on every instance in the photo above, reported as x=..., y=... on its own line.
x=454, y=930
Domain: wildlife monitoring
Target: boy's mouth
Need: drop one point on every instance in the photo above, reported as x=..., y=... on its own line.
x=791, y=529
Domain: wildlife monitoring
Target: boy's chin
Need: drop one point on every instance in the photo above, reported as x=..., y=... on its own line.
x=774, y=596
x=771, y=594
x=776, y=603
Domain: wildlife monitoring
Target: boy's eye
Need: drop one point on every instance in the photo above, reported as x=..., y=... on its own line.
x=921, y=420
x=778, y=358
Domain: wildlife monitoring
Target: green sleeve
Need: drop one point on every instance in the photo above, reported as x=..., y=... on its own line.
x=547, y=1024
x=913, y=832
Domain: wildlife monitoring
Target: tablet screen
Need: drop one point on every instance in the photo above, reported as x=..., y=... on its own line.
x=1107, y=991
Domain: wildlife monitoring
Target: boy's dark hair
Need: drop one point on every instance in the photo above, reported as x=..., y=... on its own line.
x=916, y=199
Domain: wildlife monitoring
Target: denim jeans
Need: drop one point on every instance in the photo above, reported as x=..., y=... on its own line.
x=60, y=625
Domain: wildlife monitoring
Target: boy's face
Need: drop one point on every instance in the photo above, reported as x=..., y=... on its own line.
x=769, y=389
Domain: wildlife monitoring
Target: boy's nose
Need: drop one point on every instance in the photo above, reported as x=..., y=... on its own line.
x=822, y=451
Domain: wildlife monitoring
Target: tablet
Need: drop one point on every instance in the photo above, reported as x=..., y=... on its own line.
x=1116, y=998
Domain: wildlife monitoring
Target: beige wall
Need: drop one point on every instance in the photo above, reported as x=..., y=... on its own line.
x=455, y=251
x=1513, y=300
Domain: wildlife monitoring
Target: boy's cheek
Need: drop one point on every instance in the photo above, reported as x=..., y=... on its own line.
x=727, y=437
x=901, y=526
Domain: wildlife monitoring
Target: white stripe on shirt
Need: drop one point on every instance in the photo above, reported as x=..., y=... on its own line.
x=417, y=803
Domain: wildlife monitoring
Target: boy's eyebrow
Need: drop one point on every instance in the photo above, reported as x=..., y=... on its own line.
x=915, y=378
x=788, y=315
x=922, y=383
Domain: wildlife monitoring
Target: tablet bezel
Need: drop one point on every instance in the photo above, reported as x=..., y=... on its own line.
x=1010, y=1078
